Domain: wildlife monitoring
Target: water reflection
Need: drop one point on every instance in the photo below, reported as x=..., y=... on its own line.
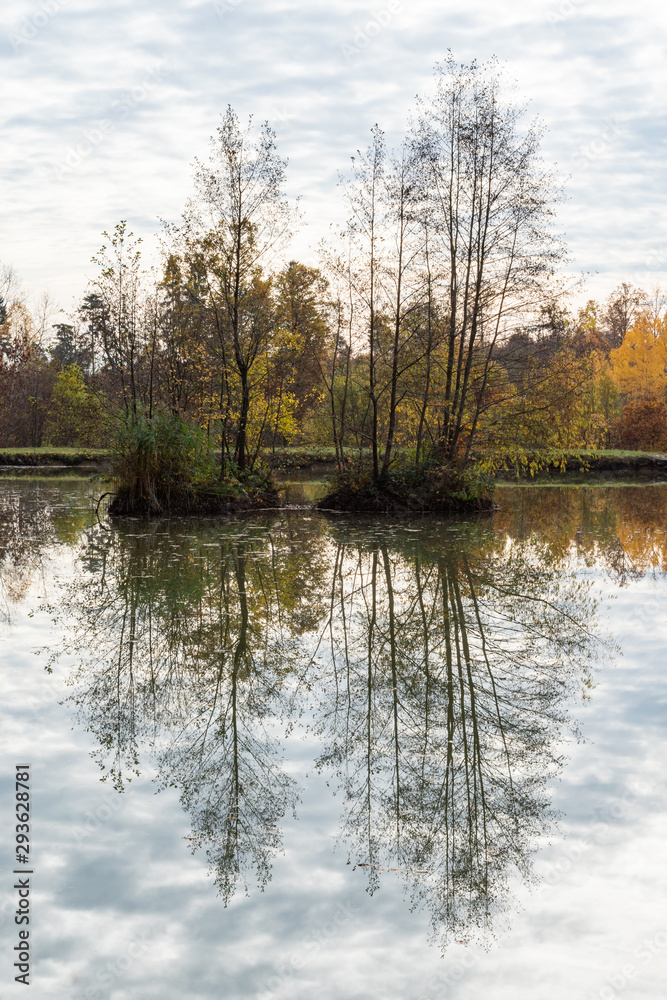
x=189, y=637
x=34, y=519
x=435, y=664
x=454, y=656
x=621, y=528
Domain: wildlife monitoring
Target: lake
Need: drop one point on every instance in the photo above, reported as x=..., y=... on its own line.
x=294, y=755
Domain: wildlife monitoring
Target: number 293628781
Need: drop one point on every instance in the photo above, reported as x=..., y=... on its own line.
x=23, y=814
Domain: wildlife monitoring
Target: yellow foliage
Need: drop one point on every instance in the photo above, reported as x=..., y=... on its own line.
x=639, y=365
x=567, y=403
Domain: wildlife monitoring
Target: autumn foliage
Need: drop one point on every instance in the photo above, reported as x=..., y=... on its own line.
x=643, y=425
x=434, y=331
x=639, y=370
x=639, y=365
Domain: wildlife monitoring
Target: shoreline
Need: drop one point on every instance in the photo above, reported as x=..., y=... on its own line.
x=582, y=468
x=39, y=458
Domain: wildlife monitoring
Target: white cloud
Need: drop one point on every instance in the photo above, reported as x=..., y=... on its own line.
x=78, y=83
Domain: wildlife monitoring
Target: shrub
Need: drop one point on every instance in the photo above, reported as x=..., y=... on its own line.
x=165, y=465
x=643, y=425
x=431, y=488
x=76, y=415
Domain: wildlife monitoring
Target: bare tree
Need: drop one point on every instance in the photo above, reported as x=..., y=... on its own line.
x=623, y=306
x=115, y=313
x=491, y=200
x=405, y=280
x=454, y=236
x=10, y=290
x=365, y=229
x=44, y=313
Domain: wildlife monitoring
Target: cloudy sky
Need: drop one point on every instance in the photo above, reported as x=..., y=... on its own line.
x=105, y=105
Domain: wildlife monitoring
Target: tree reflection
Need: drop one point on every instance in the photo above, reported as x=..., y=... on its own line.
x=439, y=661
x=34, y=520
x=188, y=639
x=623, y=529
x=454, y=658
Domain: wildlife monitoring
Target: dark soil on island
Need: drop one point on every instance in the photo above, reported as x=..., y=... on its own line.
x=372, y=502
x=200, y=503
x=435, y=491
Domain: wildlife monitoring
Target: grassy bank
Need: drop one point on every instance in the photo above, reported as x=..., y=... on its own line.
x=53, y=456
x=300, y=457
x=570, y=461
x=581, y=463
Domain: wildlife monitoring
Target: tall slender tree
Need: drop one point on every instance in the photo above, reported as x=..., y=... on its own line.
x=491, y=199
x=115, y=309
x=238, y=223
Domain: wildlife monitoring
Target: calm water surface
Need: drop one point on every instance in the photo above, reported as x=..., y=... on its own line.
x=294, y=757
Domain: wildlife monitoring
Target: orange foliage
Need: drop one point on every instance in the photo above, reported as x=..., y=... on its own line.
x=639, y=365
x=643, y=425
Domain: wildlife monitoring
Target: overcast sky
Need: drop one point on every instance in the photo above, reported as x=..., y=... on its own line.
x=105, y=105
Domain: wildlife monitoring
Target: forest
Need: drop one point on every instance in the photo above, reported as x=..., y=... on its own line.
x=436, y=329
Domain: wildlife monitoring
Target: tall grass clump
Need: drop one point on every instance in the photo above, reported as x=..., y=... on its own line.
x=164, y=465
